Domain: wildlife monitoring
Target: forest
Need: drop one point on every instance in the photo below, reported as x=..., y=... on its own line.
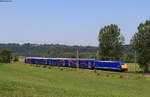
x=57, y=50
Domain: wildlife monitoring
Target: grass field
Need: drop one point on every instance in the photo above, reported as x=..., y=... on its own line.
x=133, y=67
x=23, y=80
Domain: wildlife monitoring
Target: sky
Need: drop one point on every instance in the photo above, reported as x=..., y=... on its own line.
x=69, y=22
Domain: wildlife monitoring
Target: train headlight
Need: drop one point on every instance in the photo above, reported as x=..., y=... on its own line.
x=124, y=66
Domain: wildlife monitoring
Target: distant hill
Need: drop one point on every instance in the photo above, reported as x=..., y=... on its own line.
x=49, y=50
x=57, y=50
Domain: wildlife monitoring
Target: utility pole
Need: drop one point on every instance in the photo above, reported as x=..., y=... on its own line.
x=77, y=58
x=135, y=60
x=97, y=55
x=135, y=57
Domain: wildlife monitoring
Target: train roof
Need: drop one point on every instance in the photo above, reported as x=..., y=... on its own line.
x=111, y=61
x=56, y=58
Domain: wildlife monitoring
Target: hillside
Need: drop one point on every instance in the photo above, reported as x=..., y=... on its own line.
x=22, y=80
x=50, y=50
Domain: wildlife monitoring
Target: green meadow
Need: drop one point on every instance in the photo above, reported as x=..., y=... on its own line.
x=26, y=80
x=134, y=67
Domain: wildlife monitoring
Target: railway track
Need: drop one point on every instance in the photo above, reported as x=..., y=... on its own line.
x=138, y=73
x=134, y=73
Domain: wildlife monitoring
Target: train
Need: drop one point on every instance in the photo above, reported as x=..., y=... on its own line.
x=78, y=63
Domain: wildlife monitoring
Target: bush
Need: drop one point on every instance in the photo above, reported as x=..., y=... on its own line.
x=5, y=56
x=15, y=57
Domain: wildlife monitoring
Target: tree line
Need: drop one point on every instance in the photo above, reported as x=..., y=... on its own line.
x=56, y=50
x=111, y=43
x=50, y=50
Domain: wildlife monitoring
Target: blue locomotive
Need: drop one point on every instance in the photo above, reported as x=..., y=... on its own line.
x=78, y=63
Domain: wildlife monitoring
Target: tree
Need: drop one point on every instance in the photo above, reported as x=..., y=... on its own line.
x=110, y=43
x=15, y=57
x=5, y=56
x=141, y=44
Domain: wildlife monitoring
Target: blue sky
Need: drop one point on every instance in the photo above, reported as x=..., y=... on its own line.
x=70, y=22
